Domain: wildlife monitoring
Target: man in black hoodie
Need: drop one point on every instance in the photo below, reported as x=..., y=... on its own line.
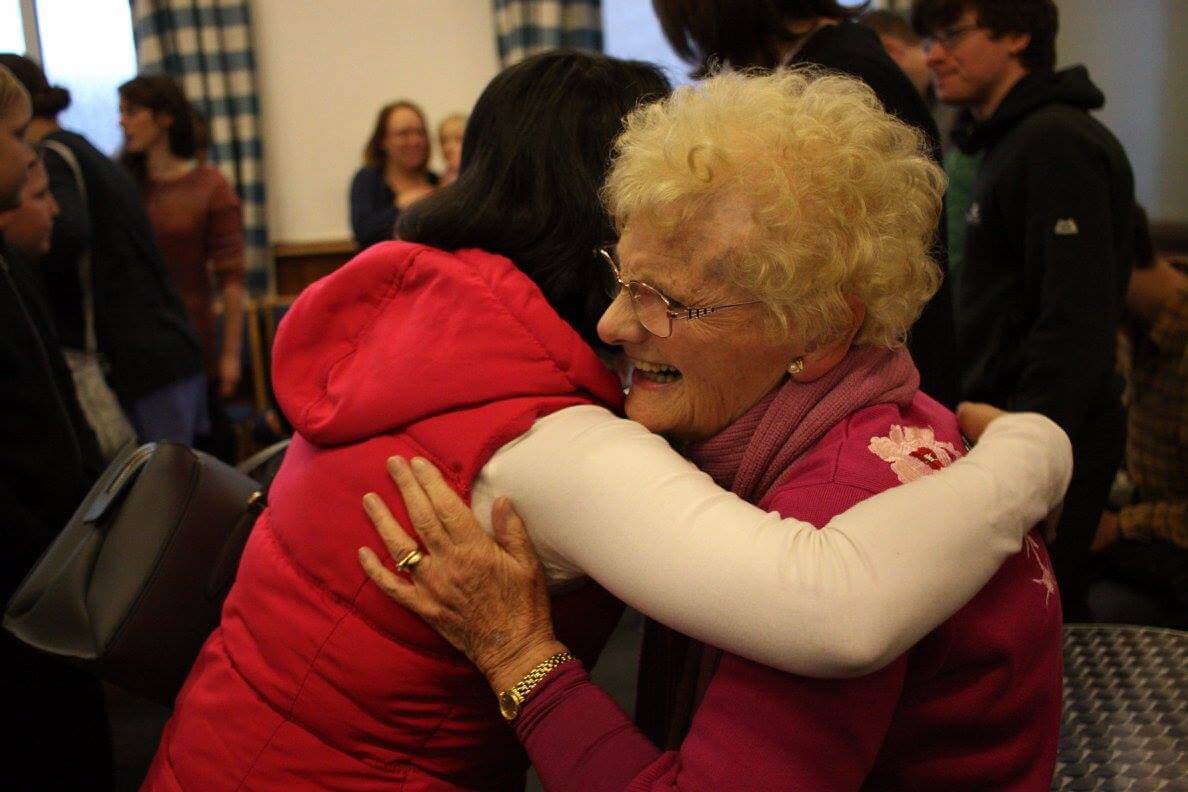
x=1048, y=243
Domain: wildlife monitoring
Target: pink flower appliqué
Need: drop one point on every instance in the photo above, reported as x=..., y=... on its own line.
x=1046, y=580
x=913, y=451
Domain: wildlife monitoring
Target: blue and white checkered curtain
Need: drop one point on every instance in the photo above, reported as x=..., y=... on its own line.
x=206, y=45
x=525, y=27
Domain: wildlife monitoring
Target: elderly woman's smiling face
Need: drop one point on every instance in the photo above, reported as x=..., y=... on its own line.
x=711, y=370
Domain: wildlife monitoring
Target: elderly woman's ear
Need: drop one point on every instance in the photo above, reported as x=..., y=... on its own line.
x=815, y=364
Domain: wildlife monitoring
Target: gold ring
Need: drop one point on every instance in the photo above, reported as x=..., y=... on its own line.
x=407, y=563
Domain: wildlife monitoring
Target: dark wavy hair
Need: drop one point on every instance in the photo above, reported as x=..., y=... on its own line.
x=536, y=150
x=48, y=100
x=373, y=153
x=160, y=93
x=1036, y=18
x=739, y=33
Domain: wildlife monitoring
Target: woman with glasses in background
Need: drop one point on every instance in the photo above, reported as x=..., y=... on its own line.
x=395, y=172
x=473, y=342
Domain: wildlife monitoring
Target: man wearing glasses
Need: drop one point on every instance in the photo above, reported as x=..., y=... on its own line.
x=1047, y=245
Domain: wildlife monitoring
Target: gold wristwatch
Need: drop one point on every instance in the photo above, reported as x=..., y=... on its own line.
x=513, y=698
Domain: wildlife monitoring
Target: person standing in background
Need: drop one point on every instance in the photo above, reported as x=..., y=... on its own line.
x=449, y=136
x=1143, y=544
x=907, y=50
x=395, y=172
x=28, y=228
x=1048, y=245
x=767, y=34
x=48, y=461
x=155, y=364
x=197, y=224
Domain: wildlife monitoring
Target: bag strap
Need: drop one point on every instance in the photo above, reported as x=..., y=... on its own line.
x=85, y=269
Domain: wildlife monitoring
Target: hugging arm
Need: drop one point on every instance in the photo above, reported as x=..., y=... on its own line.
x=604, y=496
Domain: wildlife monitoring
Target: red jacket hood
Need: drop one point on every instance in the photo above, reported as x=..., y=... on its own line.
x=404, y=332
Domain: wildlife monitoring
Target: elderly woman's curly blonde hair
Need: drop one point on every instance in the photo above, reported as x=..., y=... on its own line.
x=843, y=197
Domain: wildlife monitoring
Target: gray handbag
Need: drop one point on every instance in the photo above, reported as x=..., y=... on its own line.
x=98, y=401
x=135, y=582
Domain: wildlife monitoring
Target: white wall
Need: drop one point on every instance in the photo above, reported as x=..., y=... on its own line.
x=1137, y=53
x=324, y=69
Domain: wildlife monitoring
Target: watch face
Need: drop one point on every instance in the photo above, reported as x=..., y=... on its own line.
x=509, y=705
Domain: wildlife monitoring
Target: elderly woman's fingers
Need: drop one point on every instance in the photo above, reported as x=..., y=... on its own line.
x=457, y=518
x=399, y=543
x=404, y=592
x=509, y=531
x=974, y=417
x=420, y=509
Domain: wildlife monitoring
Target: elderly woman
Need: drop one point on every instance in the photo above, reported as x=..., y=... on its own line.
x=773, y=252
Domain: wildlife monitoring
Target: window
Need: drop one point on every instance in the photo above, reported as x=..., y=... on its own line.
x=85, y=47
x=12, y=28
x=631, y=31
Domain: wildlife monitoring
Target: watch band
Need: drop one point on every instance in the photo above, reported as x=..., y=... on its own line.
x=538, y=673
x=511, y=699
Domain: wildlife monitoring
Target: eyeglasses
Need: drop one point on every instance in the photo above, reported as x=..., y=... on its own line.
x=652, y=309
x=949, y=38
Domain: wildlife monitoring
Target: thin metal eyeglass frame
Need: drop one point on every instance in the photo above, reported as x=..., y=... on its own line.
x=672, y=308
x=949, y=38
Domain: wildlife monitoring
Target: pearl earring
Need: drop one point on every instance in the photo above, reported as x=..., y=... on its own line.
x=796, y=366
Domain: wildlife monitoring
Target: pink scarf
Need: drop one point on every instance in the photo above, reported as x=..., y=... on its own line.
x=749, y=458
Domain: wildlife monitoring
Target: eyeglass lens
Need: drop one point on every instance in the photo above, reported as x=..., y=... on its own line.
x=650, y=310
x=647, y=303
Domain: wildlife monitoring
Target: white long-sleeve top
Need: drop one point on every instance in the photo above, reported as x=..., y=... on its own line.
x=604, y=497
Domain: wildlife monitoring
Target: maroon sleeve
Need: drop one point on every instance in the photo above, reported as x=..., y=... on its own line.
x=757, y=728
x=225, y=232
x=578, y=737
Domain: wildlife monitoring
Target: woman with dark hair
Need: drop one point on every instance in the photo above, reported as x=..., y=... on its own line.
x=154, y=361
x=195, y=213
x=395, y=172
x=769, y=34
x=471, y=342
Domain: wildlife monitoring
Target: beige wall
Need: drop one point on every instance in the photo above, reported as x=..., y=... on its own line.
x=324, y=69
x=1137, y=53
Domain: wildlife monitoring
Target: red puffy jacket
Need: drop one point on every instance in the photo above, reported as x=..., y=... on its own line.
x=314, y=679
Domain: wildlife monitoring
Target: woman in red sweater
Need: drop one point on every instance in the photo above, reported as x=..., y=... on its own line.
x=197, y=221
x=774, y=252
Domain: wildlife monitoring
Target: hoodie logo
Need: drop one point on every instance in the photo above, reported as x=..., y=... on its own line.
x=973, y=215
x=1066, y=226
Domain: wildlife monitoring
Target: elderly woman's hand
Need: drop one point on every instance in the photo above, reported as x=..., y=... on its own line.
x=974, y=417
x=485, y=595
